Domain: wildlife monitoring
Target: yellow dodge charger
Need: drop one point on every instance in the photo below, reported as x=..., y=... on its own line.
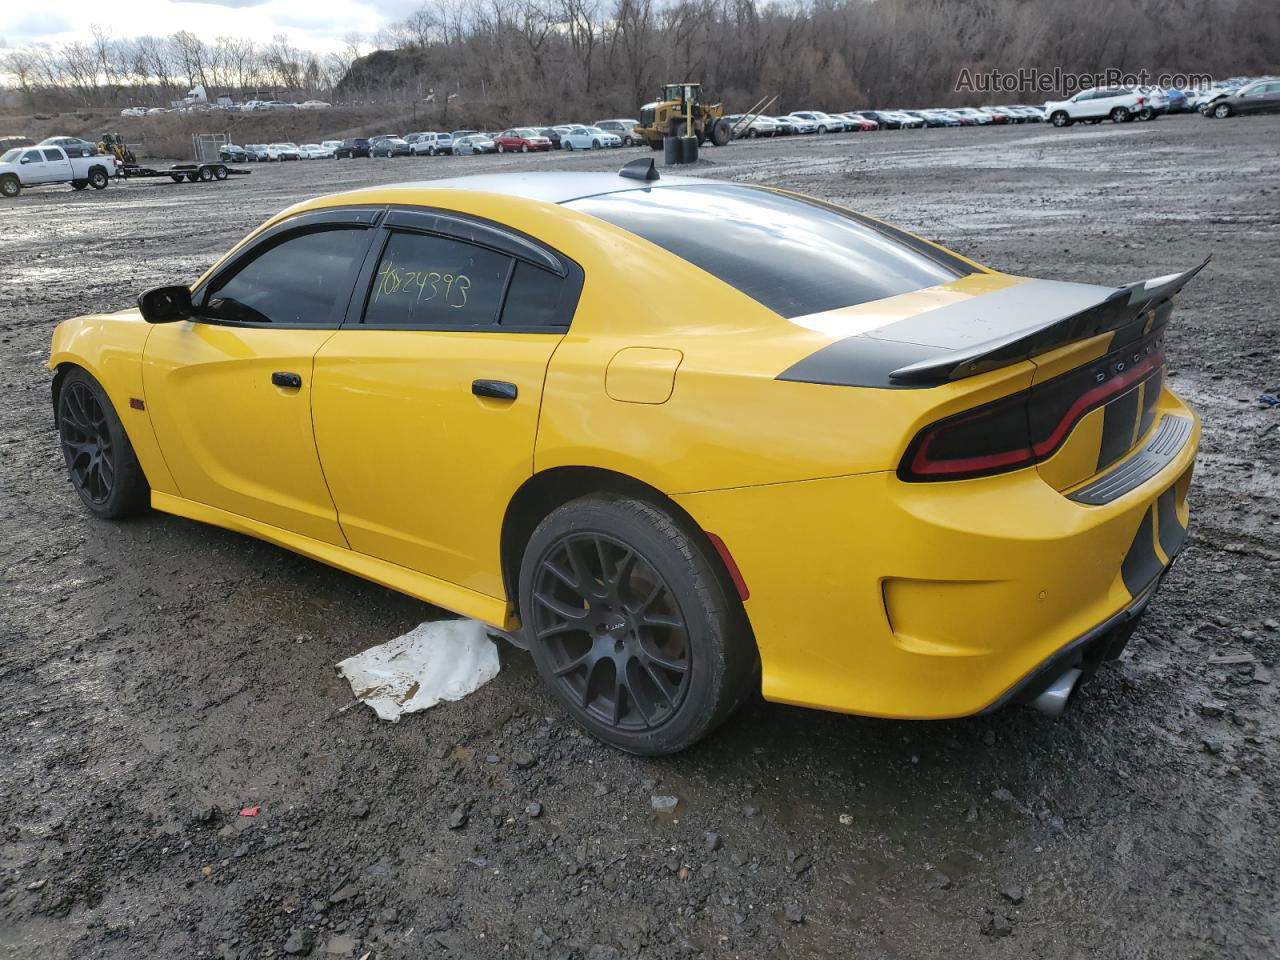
x=682, y=439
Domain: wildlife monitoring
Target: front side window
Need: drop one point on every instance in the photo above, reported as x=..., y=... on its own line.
x=304, y=279
x=431, y=281
x=32, y=156
x=793, y=255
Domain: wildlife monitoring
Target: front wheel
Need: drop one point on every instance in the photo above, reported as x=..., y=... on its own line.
x=104, y=469
x=1060, y=119
x=524, y=148
x=1222, y=111
x=632, y=626
x=595, y=144
x=500, y=150
x=567, y=145
x=10, y=187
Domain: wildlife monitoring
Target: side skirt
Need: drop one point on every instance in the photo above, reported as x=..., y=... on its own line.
x=441, y=593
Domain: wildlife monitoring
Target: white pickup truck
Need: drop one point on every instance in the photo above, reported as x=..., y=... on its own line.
x=29, y=166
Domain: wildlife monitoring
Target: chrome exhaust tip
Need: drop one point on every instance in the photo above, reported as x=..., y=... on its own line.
x=1053, y=701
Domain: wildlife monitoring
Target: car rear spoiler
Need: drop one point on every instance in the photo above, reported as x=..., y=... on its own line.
x=1111, y=312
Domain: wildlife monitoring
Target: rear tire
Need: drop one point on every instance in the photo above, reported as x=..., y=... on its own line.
x=104, y=469
x=1119, y=115
x=219, y=172
x=631, y=624
x=98, y=178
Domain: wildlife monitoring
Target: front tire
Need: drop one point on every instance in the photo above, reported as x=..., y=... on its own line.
x=1060, y=119
x=10, y=187
x=1222, y=111
x=631, y=624
x=104, y=469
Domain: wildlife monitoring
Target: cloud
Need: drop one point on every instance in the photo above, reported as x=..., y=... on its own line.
x=36, y=24
x=228, y=3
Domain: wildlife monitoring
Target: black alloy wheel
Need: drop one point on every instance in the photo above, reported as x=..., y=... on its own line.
x=633, y=623
x=617, y=640
x=86, y=443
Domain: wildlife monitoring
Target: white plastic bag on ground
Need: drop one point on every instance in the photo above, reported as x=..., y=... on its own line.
x=440, y=660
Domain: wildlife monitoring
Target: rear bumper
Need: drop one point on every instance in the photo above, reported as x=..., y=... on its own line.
x=874, y=596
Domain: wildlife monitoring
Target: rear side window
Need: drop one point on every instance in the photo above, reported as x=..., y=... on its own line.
x=792, y=255
x=52, y=155
x=432, y=281
x=303, y=280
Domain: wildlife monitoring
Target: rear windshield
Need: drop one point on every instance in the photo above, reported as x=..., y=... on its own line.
x=792, y=255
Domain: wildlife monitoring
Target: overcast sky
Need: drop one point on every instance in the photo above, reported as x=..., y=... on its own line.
x=317, y=24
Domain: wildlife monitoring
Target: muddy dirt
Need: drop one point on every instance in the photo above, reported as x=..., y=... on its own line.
x=158, y=676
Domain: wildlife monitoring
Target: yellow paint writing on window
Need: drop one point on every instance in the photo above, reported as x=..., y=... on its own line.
x=422, y=285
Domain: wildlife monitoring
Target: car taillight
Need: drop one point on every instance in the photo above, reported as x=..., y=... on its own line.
x=1027, y=427
x=1142, y=99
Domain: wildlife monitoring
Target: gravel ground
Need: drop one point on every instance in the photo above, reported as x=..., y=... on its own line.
x=158, y=676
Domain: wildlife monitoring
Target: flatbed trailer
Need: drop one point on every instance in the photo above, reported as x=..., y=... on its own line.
x=190, y=172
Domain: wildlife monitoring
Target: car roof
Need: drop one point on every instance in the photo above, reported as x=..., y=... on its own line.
x=556, y=187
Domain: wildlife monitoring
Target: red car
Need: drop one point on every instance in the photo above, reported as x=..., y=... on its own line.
x=522, y=140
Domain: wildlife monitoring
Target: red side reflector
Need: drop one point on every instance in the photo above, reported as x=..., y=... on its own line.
x=732, y=567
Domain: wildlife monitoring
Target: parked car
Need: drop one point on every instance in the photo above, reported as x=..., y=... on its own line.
x=557, y=491
x=552, y=134
x=157, y=111
x=314, y=151
x=782, y=127
x=283, y=151
x=589, y=138
x=1260, y=97
x=75, y=146
x=623, y=129
x=822, y=122
x=277, y=105
x=7, y=143
x=473, y=143
x=463, y=133
x=47, y=163
x=758, y=126
x=351, y=148
x=521, y=140
x=1119, y=104
x=800, y=124
x=431, y=144
x=232, y=153
x=1157, y=102
x=256, y=152
x=390, y=147
x=975, y=117
x=860, y=122
x=1032, y=114
x=314, y=105
x=133, y=112
x=331, y=147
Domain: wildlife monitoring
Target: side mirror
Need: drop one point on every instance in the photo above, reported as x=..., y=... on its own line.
x=165, y=304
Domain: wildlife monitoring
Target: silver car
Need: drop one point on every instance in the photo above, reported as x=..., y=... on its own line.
x=473, y=143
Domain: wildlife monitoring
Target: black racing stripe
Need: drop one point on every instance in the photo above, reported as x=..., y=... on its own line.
x=858, y=362
x=1118, y=420
x=1141, y=565
x=1172, y=533
x=1150, y=394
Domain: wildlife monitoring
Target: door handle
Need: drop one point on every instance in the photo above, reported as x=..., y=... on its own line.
x=291, y=380
x=494, y=389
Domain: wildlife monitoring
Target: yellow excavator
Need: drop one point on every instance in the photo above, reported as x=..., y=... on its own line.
x=680, y=112
x=114, y=144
